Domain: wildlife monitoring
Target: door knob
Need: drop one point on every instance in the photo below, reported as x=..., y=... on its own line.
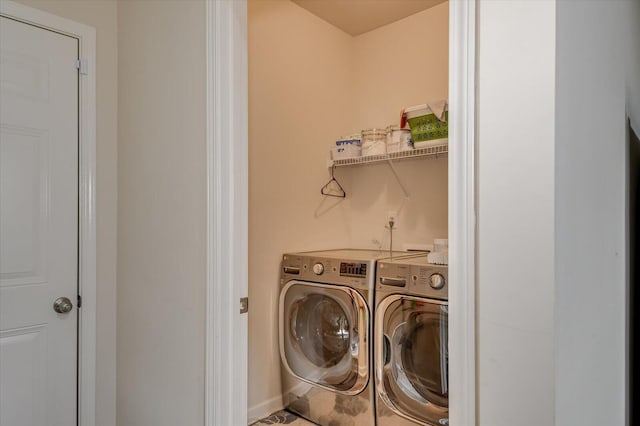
x=62, y=305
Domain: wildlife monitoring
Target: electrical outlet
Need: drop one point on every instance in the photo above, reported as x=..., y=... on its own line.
x=392, y=216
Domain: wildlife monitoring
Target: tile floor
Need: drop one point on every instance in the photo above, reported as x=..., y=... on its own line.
x=283, y=418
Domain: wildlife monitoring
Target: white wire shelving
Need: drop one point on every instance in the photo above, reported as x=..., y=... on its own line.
x=389, y=158
x=430, y=151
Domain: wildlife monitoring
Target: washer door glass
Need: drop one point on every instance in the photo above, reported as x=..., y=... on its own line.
x=414, y=366
x=324, y=330
x=321, y=328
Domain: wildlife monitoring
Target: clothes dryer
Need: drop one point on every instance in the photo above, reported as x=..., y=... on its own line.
x=411, y=343
x=325, y=328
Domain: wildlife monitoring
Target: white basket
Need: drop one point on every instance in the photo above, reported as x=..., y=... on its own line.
x=345, y=151
x=374, y=148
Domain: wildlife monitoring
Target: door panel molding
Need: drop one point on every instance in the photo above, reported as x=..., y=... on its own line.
x=25, y=343
x=86, y=36
x=35, y=146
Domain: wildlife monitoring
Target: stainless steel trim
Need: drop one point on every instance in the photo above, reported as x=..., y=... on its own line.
x=362, y=356
x=397, y=282
x=378, y=355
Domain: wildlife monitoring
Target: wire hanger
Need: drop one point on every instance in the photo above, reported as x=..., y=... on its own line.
x=326, y=190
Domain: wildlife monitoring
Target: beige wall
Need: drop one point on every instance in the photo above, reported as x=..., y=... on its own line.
x=401, y=64
x=161, y=213
x=102, y=15
x=300, y=95
x=308, y=84
x=382, y=90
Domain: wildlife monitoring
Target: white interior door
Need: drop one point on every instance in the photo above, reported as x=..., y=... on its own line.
x=38, y=225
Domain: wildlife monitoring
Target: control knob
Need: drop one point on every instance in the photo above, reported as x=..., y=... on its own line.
x=318, y=268
x=436, y=281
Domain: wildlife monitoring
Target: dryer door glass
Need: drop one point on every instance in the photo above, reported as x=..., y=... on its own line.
x=424, y=357
x=415, y=369
x=324, y=331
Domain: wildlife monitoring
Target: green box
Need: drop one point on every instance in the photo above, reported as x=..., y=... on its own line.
x=428, y=127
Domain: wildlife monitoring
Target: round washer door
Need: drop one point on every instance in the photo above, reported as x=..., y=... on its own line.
x=412, y=358
x=323, y=335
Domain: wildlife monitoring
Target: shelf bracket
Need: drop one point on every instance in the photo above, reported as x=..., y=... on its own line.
x=330, y=163
x=395, y=173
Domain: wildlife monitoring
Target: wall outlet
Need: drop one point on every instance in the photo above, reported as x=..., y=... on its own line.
x=392, y=216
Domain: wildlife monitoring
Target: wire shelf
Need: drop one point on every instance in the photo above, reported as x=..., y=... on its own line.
x=422, y=152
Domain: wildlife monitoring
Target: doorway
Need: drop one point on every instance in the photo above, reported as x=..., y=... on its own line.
x=228, y=204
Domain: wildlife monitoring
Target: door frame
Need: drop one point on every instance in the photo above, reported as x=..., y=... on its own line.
x=462, y=212
x=86, y=193
x=226, y=341
x=227, y=210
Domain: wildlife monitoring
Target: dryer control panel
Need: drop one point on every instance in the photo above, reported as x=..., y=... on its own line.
x=415, y=277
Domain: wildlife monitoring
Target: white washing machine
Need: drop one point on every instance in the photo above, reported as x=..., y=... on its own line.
x=325, y=323
x=411, y=343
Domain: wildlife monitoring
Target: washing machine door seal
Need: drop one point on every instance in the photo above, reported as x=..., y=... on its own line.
x=412, y=359
x=324, y=335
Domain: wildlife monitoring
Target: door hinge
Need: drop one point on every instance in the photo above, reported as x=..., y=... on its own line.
x=244, y=305
x=79, y=301
x=82, y=66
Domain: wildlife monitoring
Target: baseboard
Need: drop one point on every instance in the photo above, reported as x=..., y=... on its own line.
x=265, y=408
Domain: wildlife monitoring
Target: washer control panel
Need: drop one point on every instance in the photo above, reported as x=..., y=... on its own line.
x=326, y=270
